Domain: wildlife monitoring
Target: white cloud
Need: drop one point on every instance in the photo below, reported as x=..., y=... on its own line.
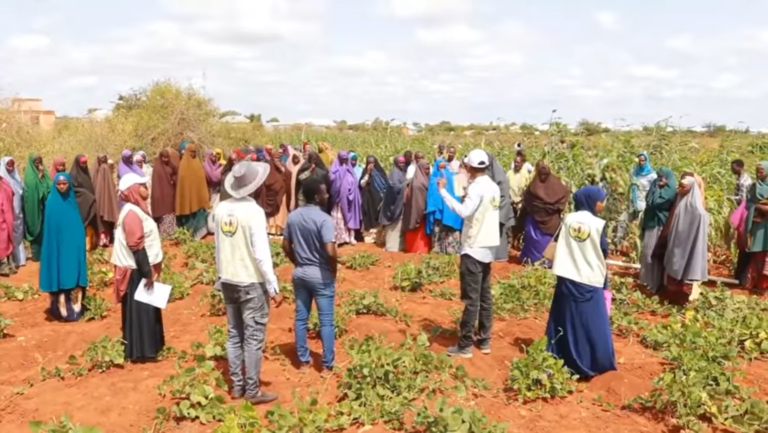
x=28, y=42
x=607, y=20
x=653, y=72
x=83, y=81
x=725, y=81
x=684, y=43
x=369, y=62
x=418, y=9
x=449, y=35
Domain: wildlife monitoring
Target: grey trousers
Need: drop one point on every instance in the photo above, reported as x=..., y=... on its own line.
x=478, y=303
x=247, y=317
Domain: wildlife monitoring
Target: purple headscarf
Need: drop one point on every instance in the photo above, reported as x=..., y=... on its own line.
x=345, y=190
x=212, y=170
x=128, y=167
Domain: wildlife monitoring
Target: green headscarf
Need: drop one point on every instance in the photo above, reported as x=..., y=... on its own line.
x=659, y=201
x=758, y=232
x=36, y=191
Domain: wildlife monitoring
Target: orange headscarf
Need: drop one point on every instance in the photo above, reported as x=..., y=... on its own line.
x=191, y=188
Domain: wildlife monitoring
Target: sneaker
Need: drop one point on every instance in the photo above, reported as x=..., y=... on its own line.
x=262, y=398
x=459, y=353
x=304, y=368
x=485, y=349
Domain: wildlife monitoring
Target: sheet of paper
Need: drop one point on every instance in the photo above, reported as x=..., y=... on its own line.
x=157, y=297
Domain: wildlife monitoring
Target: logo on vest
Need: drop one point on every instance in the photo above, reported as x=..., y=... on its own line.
x=228, y=225
x=495, y=202
x=579, y=231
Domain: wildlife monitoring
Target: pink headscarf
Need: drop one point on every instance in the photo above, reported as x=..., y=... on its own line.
x=57, y=161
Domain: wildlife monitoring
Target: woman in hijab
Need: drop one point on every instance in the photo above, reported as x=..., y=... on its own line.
x=164, y=199
x=754, y=239
x=126, y=165
x=63, y=263
x=59, y=165
x=142, y=161
x=441, y=223
x=192, y=197
x=106, y=200
x=658, y=201
x=175, y=157
x=295, y=161
x=355, y=166
x=138, y=255
x=543, y=204
x=11, y=175
x=373, y=185
x=220, y=156
x=7, y=266
x=326, y=153
x=391, y=215
x=37, y=185
x=313, y=167
x=85, y=195
x=640, y=180
x=271, y=194
x=682, y=244
x=578, y=329
x=183, y=147
x=414, y=209
x=345, y=196
x=212, y=168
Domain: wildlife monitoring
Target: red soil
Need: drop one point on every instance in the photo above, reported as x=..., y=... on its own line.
x=124, y=399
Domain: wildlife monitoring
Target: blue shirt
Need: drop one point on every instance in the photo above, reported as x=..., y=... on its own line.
x=309, y=228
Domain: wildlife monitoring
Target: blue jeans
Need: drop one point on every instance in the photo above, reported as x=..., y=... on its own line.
x=323, y=294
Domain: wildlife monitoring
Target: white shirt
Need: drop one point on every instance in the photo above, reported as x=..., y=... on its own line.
x=475, y=195
x=259, y=242
x=410, y=172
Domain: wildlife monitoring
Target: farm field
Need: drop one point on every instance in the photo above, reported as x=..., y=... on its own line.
x=389, y=297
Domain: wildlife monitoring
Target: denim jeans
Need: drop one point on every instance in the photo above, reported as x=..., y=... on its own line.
x=323, y=295
x=475, y=279
x=247, y=319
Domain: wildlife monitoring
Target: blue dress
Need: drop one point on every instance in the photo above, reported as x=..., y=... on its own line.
x=63, y=265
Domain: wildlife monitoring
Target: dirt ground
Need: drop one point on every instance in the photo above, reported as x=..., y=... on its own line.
x=125, y=399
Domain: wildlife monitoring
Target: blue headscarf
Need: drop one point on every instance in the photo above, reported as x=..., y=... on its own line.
x=357, y=168
x=183, y=146
x=63, y=260
x=436, y=207
x=586, y=199
x=644, y=169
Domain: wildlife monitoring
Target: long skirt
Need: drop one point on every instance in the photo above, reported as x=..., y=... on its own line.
x=196, y=223
x=277, y=222
x=19, y=250
x=651, y=270
x=680, y=292
x=578, y=329
x=393, y=236
x=142, y=325
x=756, y=271
x=445, y=240
x=166, y=224
x=417, y=240
x=215, y=195
x=67, y=305
x=535, y=241
x=501, y=253
x=343, y=234
x=36, y=247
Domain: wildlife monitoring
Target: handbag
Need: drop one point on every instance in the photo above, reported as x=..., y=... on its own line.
x=549, y=251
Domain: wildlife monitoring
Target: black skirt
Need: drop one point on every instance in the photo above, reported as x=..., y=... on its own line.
x=142, y=323
x=371, y=205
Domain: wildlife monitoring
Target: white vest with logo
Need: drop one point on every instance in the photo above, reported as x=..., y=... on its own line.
x=233, y=219
x=578, y=256
x=121, y=254
x=481, y=230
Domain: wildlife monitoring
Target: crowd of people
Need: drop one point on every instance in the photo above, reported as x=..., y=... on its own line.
x=317, y=199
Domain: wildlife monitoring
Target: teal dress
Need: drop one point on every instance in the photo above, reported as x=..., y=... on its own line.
x=63, y=263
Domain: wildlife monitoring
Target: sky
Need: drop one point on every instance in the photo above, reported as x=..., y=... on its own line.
x=620, y=62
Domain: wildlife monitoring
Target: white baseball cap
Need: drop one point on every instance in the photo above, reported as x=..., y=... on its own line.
x=129, y=180
x=477, y=158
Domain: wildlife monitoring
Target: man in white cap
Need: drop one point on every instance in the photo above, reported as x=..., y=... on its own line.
x=246, y=277
x=479, y=239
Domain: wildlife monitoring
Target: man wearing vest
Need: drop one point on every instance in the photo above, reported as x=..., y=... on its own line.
x=479, y=239
x=246, y=277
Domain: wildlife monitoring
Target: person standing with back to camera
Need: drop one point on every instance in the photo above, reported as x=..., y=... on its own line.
x=479, y=239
